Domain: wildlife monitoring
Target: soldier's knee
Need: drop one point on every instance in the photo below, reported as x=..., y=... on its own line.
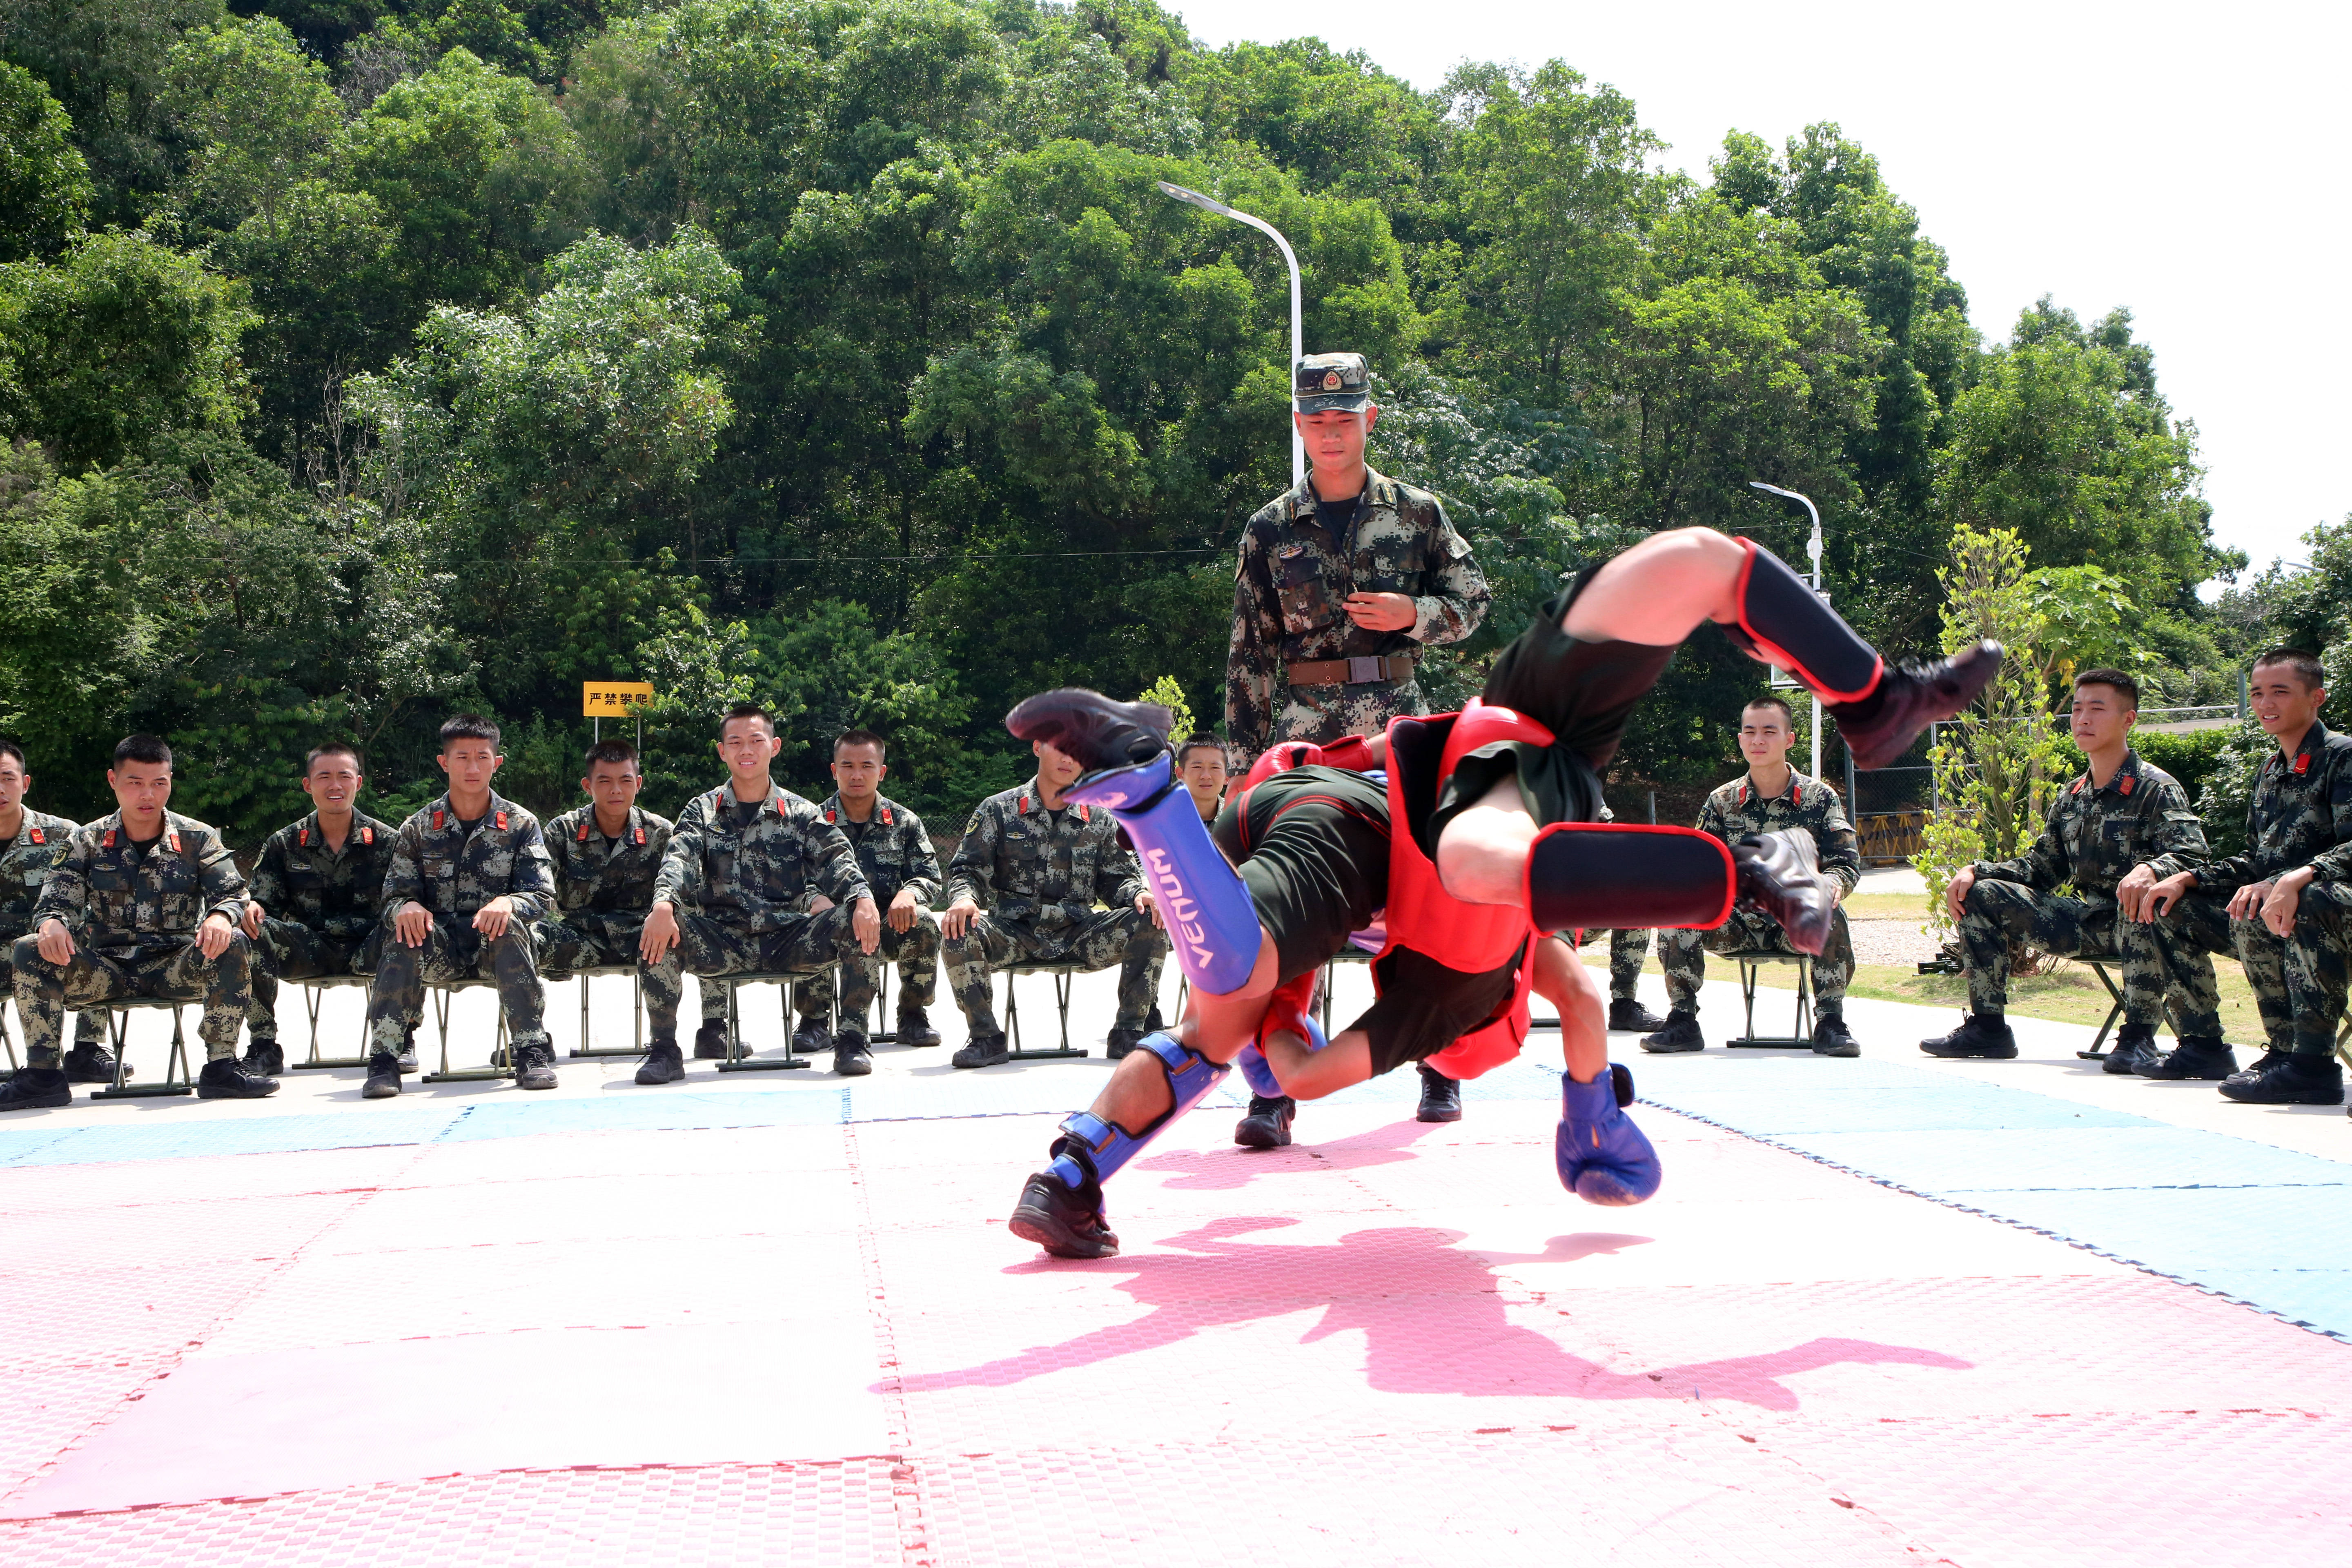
x=24, y=956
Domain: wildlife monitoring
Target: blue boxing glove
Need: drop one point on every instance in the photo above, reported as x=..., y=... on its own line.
x=1602, y=1156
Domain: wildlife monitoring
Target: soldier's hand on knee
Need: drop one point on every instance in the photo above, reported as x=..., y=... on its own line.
x=958, y=919
x=2163, y=895
x=2132, y=891
x=1956, y=891
x=492, y=917
x=659, y=933
x=1144, y=905
x=2285, y=899
x=866, y=924
x=2247, y=901
x=214, y=936
x=57, y=943
x=411, y=923
x=819, y=904
x=901, y=914
x=252, y=921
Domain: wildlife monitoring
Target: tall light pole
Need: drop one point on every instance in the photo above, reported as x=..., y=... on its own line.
x=1812, y=553
x=1297, y=348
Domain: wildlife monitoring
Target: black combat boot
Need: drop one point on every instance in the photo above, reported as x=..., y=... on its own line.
x=2299, y=1078
x=812, y=1038
x=1627, y=1016
x=1979, y=1035
x=1120, y=1042
x=1680, y=1033
x=534, y=1067
x=1441, y=1097
x=2261, y=1065
x=2208, y=1058
x=1910, y=697
x=664, y=1062
x=851, y=1056
x=915, y=1027
x=225, y=1077
x=1268, y=1125
x=2135, y=1050
x=710, y=1043
x=89, y=1062
x=37, y=1088
x=262, y=1057
x=983, y=1050
x=1832, y=1038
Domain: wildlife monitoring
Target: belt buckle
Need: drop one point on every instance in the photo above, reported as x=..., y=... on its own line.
x=1363, y=670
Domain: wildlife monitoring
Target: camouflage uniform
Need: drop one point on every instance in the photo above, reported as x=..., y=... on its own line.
x=1037, y=876
x=321, y=910
x=435, y=863
x=894, y=851
x=1733, y=812
x=2093, y=838
x=1628, y=951
x=2301, y=815
x=603, y=891
x=741, y=892
x=1287, y=589
x=24, y=864
x=134, y=929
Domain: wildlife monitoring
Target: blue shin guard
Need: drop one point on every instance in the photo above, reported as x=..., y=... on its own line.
x=1212, y=923
x=1603, y=1158
x=1093, y=1150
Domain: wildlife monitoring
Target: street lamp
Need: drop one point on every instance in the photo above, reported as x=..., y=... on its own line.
x=1812, y=553
x=1298, y=350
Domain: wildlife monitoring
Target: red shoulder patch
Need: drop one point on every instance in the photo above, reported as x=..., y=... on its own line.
x=301, y=838
x=1083, y=817
x=502, y=822
x=2302, y=764
x=172, y=837
x=831, y=816
x=2127, y=786
x=36, y=836
x=438, y=817
x=105, y=843
x=641, y=833
x=583, y=829
x=367, y=834
x=1021, y=806
x=885, y=816
x=2077, y=789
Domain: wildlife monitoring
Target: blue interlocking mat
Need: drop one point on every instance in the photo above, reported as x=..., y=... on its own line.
x=2005, y=1160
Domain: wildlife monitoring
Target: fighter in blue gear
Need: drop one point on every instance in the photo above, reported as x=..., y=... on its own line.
x=1497, y=814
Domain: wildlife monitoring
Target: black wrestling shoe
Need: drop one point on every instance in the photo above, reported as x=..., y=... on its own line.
x=982, y=1051
x=915, y=1029
x=2211, y=1060
x=1120, y=1042
x=89, y=1062
x=1441, y=1097
x=383, y=1076
x=851, y=1056
x=534, y=1067
x=663, y=1063
x=1268, y=1125
x=262, y=1057
x=1910, y=697
x=1979, y=1035
x=710, y=1043
x=1781, y=879
x=37, y=1088
x=1832, y=1038
x=2293, y=1080
x=1627, y=1016
x=1064, y=1223
x=1086, y=725
x=1680, y=1032
x=225, y=1077
x=2134, y=1051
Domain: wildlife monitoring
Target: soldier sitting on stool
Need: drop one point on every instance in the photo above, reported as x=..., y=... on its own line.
x=318, y=898
x=606, y=855
x=902, y=870
x=2111, y=833
x=2288, y=884
x=30, y=843
x=1772, y=796
x=1023, y=886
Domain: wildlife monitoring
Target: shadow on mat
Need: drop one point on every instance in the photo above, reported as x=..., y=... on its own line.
x=1223, y=1170
x=1431, y=1319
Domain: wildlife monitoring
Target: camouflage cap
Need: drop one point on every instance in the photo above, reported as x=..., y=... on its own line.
x=1332, y=381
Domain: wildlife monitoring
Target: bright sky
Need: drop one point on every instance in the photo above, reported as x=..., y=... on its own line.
x=2186, y=162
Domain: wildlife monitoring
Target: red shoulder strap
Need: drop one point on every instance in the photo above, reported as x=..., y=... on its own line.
x=367, y=834
x=35, y=835
x=437, y=817
x=584, y=823
x=885, y=816
x=502, y=822
x=301, y=838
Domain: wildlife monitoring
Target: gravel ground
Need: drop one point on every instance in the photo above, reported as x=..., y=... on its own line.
x=1891, y=941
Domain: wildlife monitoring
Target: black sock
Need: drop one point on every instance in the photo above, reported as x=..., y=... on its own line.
x=1779, y=608
x=1998, y=1018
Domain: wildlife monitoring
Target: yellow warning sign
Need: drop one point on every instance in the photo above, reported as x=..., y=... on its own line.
x=611, y=698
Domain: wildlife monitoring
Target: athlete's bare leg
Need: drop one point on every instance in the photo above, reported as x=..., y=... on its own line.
x=1658, y=591
x=1563, y=979
x=1218, y=1026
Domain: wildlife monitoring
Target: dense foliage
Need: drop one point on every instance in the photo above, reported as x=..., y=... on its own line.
x=366, y=360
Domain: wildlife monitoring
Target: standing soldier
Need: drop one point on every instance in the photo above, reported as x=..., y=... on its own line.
x=144, y=902
x=1342, y=579
x=469, y=874
x=1770, y=797
x=902, y=870
x=1023, y=888
x=2118, y=827
x=317, y=898
x=31, y=842
x=605, y=856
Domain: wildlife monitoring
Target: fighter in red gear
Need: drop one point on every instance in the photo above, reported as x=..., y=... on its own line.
x=1479, y=839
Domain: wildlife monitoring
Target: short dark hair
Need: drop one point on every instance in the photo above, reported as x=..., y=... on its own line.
x=2114, y=678
x=330, y=749
x=1788, y=714
x=141, y=749
x=745, y=710
x=617, y=751
x=1199, y=741
x=861, y=738
x=469, y=727
x=10, y=749
x=2307, y=664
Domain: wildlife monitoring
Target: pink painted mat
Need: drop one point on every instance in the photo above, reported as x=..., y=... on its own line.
x=1392, y=1344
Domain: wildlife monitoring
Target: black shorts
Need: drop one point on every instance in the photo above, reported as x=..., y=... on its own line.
x=1424, y=1007
x=1313, y=848
x=1581, y=691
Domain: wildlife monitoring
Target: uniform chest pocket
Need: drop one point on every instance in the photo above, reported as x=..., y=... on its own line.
x=110, y=879
x=308, y=877
x=1393, y=562
x=1307, y=602
x=437, y=869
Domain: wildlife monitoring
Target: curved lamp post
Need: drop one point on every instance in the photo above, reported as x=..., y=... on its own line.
x=1813, y=552
x=1211, y=204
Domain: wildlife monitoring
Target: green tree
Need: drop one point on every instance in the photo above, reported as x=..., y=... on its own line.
x=261, y=113
x=44, y=191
